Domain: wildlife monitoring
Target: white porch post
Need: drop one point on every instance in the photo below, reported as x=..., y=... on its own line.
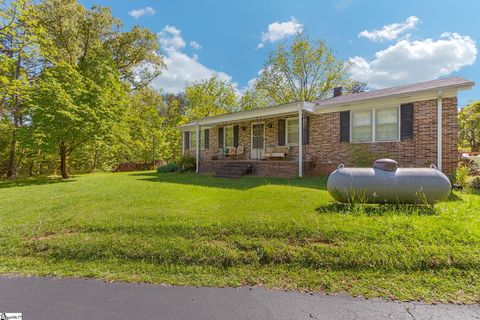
x=197, y=148
x=300, y=142
x=439, y=133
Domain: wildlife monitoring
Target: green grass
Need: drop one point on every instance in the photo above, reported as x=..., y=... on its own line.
x=281, y=233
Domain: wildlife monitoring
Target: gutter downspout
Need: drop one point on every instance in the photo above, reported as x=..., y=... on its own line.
x=197, y=151
x=439, y=132
x=300, y=142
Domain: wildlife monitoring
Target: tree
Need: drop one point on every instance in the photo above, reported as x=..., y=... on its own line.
x=69, y=109
x=469, y=126
x=210, y=97
x=353, y=86
x=20, y=60
x=303, y=71
x=253, y=99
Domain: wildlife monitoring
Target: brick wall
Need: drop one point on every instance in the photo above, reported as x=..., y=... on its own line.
x=325, y=152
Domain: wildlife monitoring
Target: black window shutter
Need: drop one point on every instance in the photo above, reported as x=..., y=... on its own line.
x=220, y=137
x=306, y=130
x=345, y=126
x=206, y=138
x=186, y=140
x=235, y=136
x=406, y=116
x=281, y=132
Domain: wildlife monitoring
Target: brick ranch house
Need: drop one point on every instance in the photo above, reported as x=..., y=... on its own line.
x=304, y=138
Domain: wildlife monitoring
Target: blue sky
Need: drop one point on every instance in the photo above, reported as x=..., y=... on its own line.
x=388, y=42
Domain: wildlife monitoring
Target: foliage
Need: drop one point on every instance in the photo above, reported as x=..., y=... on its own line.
x=462, y=176
x=469, y=126
x=187, y=163
x=168, y=168
x=210, y=97
x=303, y=71
x=361, y=155
x=279, y=233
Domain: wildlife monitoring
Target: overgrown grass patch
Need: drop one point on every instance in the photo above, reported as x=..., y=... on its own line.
x=196, y=230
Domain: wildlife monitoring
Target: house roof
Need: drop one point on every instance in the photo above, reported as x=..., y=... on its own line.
x=453, y=83
x=420, y=87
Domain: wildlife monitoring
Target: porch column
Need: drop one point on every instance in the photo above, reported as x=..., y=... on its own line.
x=300, y=142
x=439, y=133
x=197, y=149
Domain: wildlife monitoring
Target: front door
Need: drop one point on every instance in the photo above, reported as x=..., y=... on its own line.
x=258, y=140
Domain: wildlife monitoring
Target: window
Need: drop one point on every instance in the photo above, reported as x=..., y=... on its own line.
x=193, y=139
x=228, y=136
x=362, y=126
x=380, y=124
x=386, y=124
x=291, y=131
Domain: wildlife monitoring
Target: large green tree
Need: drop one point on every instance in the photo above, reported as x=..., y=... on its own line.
x=210, y=97
x=302, y=71
x=20, y=62
x=469, y=126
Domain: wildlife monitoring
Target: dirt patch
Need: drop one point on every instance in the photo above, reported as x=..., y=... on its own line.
x=53, y=234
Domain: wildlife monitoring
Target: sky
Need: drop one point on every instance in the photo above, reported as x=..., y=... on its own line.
x=388, y=43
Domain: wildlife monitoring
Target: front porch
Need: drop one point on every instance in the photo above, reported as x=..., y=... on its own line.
x=272, y=140
x=263, y=168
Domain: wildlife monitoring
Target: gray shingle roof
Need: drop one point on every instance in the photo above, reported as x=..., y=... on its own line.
x=445, y=83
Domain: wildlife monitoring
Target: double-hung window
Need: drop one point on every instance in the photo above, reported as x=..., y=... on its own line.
x=291, y=132
x=375, y=125
x=193, y=139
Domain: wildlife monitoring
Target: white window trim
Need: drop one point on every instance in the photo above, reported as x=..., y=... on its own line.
x=374, y=124
x=286, y=131
x=225, y=137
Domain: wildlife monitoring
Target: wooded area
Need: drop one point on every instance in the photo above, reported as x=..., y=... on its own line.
x=76, y=94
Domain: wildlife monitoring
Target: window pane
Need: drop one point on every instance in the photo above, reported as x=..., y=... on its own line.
x=228, y=137
x=362, y=134
x=386, y=124
x=386, y=132
x=362, y=126
x=292, y=131
x=362, y=118
x=193, y=139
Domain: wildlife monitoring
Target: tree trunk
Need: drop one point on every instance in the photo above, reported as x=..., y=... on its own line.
x=63, y=160
x=12, y=166
x=474, y=148
x=95, y=160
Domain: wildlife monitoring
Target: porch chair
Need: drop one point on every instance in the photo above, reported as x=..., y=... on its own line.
x=240, y=151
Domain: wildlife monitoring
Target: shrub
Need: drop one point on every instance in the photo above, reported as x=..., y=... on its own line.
x=461, y=176
x=474, y=182
x=187, y=163
x=171, y=167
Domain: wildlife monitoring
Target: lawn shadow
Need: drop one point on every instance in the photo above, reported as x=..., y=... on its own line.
x=376, y=209
x=246, y=182
x=27, y=182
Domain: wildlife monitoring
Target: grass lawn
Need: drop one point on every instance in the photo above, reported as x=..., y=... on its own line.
x=186, y=229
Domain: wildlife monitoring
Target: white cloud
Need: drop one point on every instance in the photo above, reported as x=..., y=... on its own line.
x=280, y=30
x=195, y=45
x=137, y=13
x=390, y=31
x=414, y=61
x=181, y=68
x=170, y=38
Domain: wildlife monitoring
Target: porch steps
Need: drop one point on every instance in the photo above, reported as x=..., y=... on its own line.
x=233, y=170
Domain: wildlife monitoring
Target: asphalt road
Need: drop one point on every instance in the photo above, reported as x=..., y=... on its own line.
x=55, y=298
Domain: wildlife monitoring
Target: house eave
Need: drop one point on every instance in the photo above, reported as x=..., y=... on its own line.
x=266, y=112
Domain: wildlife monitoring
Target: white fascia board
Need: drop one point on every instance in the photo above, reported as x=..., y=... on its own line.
x=252, y=114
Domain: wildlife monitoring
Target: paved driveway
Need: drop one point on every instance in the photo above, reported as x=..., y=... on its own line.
x=55, y=298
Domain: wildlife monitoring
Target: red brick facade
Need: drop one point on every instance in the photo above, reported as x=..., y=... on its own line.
x=325, y=151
